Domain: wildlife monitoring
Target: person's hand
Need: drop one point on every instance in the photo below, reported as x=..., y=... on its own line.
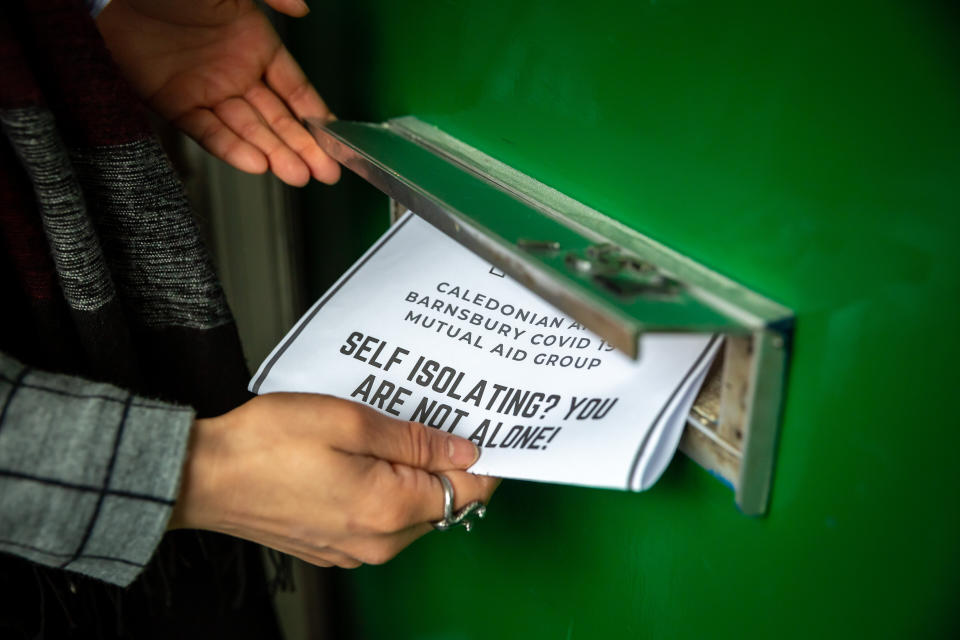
x=330, y=481
x=218, y=71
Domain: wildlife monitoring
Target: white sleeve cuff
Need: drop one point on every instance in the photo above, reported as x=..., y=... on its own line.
x=96, y=6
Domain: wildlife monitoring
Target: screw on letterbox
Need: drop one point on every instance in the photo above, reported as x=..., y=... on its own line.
x=638, y=266
x=577, y=263
x=539, y=246
x=606, y=254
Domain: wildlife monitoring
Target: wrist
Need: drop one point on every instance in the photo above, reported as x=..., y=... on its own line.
x=197, y=504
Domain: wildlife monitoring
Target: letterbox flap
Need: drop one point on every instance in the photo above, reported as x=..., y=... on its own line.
x=613, y=280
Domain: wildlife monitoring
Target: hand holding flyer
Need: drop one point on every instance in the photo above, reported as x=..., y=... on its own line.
x=422, y=329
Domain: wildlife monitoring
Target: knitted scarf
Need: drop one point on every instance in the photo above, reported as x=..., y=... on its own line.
x=103, y=275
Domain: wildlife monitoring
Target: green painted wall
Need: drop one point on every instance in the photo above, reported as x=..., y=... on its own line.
x=809, y=150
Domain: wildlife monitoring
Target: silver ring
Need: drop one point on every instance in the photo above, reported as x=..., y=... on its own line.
x=464, y=516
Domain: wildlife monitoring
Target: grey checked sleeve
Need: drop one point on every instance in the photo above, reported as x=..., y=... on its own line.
x=88, y=472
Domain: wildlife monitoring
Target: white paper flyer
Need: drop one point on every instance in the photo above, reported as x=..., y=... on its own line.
x=422, y=329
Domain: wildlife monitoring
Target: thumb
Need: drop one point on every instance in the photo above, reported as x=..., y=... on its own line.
x=416, y=445
x=292, y=8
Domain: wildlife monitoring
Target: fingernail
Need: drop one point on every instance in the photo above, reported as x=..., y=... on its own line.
x=305, y=7
x=463, y=453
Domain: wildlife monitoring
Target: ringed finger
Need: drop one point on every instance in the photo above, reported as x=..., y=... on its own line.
x=467, y=488
x=418, y=495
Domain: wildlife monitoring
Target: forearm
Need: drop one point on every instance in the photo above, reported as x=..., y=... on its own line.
x=88, y=472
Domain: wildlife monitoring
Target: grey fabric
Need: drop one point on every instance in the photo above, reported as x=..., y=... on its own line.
x=76, y=253
x=144, y=243
x=150, y=240
x=88, y=472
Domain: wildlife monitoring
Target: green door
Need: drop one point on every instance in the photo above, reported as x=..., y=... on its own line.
x=810, y=151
